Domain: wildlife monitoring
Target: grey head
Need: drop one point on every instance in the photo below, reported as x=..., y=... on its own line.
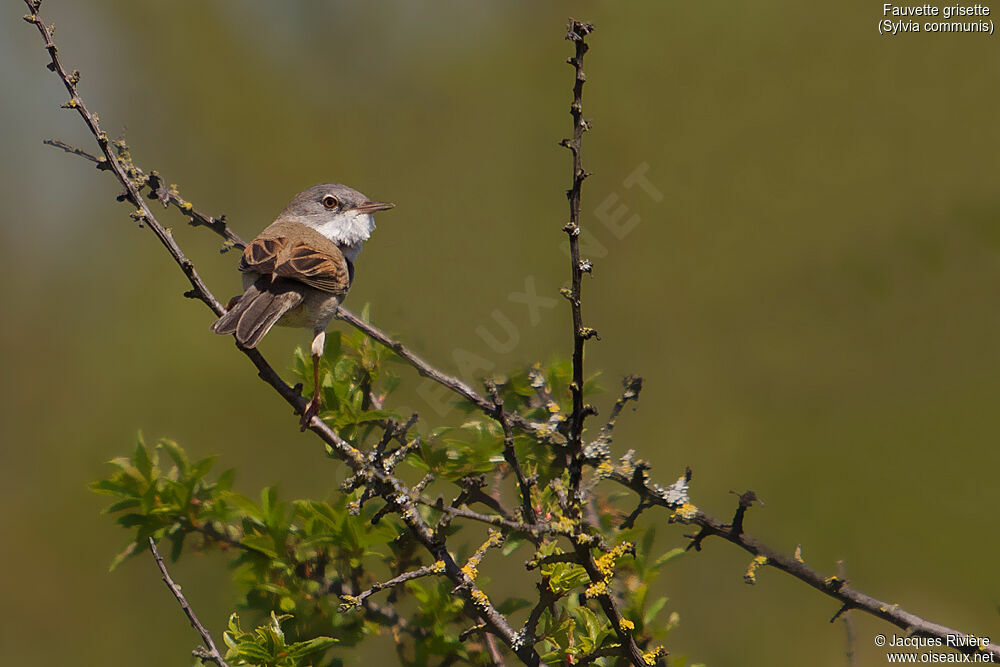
x=342, y=214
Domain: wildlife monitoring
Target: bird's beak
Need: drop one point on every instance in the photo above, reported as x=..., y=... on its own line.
x=373, y=206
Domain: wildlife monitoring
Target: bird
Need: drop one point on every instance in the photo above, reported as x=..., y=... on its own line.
x=298, y=270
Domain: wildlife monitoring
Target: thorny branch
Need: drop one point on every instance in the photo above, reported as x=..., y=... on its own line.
x=635, y=477
x=629, y=473
x=577, y=33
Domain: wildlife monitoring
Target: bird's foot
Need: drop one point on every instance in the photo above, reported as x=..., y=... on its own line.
x=312, y=409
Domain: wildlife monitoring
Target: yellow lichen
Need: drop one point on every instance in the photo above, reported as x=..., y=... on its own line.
x=471, y=568
x=750, y=576
x=684, y=513
x=651, y=657
x=595, y=589
x=606, y=563
x=349, y=602
x=626, y=625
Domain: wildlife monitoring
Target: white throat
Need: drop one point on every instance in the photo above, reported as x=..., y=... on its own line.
x=349, y=231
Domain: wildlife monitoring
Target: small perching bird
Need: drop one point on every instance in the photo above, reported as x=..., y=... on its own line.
x=297, y=272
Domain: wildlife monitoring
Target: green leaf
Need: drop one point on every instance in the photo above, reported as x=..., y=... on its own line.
x=225, y=481
x=128, y=503
x=652, y=611
x=667, y=557
x=201, y=468
x=310, y=647
x=178, y=455
x=261, y=544
x=142, y=462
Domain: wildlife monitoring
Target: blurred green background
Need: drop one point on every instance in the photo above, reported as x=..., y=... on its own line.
x=812, y=301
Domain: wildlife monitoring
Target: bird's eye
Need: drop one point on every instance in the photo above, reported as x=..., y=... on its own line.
x=330, y=201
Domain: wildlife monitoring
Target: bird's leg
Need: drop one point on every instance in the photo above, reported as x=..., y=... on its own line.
x=312, y=408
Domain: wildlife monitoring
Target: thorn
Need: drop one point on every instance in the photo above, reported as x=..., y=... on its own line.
x=840, y=612
x=696, y=540
x=746, y=500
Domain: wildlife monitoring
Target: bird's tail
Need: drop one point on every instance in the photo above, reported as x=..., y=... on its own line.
x=260, y=307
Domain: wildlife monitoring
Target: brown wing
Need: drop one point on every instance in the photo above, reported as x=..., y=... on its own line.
x=316, y=262
x=325, y=269
x=261, y=255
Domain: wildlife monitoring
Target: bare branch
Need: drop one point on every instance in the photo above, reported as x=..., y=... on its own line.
x=212, y=653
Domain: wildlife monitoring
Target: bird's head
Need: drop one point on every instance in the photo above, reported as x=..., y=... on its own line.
x=342, y=214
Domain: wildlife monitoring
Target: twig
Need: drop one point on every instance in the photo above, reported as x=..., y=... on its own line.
x=491, y=646
x=166, y=195
x=607, y=652
x=212, y=653
x=427, y=370
x=577, y=33
x=510, y=456
x=630, y=650
x=546, y=598
x=352, y=601
x=536, y=530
